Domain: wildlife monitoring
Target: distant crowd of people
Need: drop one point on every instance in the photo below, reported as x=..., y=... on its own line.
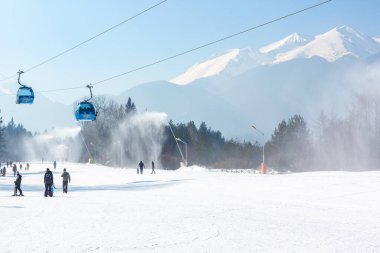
x=13, y=165
x=49, y=178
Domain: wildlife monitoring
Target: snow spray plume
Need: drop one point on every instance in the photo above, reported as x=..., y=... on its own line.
x=56, y=144
x=351, y=140
x=139, y=137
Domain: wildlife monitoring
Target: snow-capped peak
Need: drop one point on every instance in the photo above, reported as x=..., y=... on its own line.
x=332, y=45
x=335, y=44
x=207, y=68
x=233, y=62
x=285, y=44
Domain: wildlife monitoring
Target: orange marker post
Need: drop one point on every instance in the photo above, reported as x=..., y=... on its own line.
x=263, y=168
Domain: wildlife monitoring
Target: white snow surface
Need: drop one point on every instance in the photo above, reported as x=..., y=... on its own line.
x=377, y=38
x=116, y=210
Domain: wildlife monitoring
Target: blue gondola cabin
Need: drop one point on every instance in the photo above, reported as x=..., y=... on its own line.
x=25, y=95
x=85, y=111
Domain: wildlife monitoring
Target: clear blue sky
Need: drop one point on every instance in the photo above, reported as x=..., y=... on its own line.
x=34, y=30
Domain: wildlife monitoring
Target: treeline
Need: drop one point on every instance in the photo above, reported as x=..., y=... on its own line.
x=110, y=141
x=344, y=142
x=12, y=138
x=349, y=142
x=121, y=137
x=207, y=147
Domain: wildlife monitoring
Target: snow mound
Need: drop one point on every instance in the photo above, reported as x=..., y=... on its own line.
x=193, y=168
x=377, y=38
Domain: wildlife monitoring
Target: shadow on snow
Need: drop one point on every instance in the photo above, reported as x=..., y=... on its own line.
x=11, y=207
x=132, y=186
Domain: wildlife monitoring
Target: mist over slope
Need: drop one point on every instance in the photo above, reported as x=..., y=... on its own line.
x=185, y=103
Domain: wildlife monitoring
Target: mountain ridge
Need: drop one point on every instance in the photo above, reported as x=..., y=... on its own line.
x=331, y=45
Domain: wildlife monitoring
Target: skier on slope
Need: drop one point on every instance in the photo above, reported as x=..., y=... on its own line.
x=18, y=185
x=48, y=181
x=65, y=180
x=55, y=164
x=141, y=165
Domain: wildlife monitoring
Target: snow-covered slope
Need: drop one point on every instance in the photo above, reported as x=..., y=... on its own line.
x=286, y=44
x=377, y=38
x=234, y=62
x=116, y=210
x=334, y=44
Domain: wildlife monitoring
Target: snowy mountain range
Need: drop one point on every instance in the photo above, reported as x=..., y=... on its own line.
x=230, y=91
x=331, y=46
x=336, y=43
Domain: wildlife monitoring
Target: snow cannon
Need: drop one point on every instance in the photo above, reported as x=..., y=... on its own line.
x=263, y=168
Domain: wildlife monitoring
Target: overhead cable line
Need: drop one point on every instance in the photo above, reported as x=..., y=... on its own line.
x=87, y=40
x=196, y=48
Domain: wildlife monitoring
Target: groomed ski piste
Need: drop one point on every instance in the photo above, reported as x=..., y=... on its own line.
x=191, y=210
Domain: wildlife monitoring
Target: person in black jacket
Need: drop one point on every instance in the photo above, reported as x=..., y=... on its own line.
x=18, y=185
x=48, y=181
x=141, y=165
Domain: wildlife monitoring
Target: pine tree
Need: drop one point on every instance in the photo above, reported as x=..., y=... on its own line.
x=289, y=147
x=130, y=107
